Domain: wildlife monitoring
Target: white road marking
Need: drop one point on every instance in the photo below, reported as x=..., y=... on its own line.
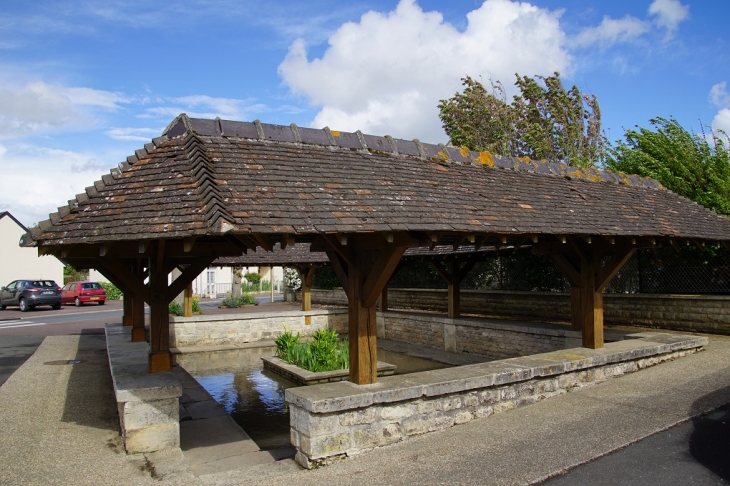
x=21, y=324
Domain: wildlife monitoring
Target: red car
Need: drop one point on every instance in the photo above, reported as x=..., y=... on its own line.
x=81, y=293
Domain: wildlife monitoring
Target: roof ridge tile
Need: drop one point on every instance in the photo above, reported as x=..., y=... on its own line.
x=203, y=171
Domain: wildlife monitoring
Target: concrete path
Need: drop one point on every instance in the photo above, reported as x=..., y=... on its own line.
x=58, y=426
x=14, y=350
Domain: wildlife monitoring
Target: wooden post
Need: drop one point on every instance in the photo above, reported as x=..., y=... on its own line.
x=188, y=301
x=587, y=278
x=160, y=358
x=453, y=274
x=363, y=269
x=384, y=299
x=575, y=314
x=454, y=306
x=362, y=331
x=139, y=333
x=591, y=304
x=127, y=305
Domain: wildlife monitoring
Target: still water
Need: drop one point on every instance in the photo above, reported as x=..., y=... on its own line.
x=254, y=397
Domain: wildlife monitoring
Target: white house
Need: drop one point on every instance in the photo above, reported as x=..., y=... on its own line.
x=23, y=263
x=218, y=281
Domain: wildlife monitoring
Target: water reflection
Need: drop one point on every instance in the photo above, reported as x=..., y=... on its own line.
x=254, y=397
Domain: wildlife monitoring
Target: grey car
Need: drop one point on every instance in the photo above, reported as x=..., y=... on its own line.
x=27, y=294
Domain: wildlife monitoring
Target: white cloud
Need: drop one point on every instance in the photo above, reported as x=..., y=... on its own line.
x=612, y=31
x=721, y=98
x=31, y=197
x=386, y=73
x=719, y=95
x=722, y=121
x=204, y=106
x=134, y=134
x=669, y=14
x=39, y=106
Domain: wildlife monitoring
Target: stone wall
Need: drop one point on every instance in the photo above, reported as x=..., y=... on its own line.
x=332, y=421
x=492, y=339
x=698, y=313
x=237, y=329
x=147, y=403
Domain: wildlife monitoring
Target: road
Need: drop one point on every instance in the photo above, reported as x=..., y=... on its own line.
x=22, y=332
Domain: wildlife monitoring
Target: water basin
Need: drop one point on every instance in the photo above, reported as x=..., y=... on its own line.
x=254, y=397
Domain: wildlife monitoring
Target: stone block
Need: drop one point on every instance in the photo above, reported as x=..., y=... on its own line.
x=326, y=445
x=462, y=418
x=313, y=425
x=482, y=412
x=138, y=415
x=151, y=439
x=440, y=423
x=414, y=426
x=359, y=417
x=397, y=412
x=503, y=406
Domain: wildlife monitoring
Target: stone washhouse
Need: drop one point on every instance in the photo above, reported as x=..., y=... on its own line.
x=211, y=189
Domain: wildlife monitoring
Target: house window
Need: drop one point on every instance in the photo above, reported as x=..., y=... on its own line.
x=210, y=287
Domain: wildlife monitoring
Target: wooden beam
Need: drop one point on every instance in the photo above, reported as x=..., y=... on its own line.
x=339, y=266
x=188, y=244
x=612, y=267
x=567, y=268
x=263, y=242
x=334, y=244
x=442, y=271
x=381, y=271
x=122, y=277
x=383, y=307
x=187, y=276
x=104, y=248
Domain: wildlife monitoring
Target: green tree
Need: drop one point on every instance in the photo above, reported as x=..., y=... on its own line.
x=545, y=121
x=691, y=165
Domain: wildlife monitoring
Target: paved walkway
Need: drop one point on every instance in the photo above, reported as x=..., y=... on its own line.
x=58, y=426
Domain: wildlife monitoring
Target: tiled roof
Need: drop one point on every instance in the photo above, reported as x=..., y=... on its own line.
x=300, y=253
x=210, y=177
x=291, y=255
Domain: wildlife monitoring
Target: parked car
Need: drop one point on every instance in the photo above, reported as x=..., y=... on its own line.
x=80, y=293
x=27, y=294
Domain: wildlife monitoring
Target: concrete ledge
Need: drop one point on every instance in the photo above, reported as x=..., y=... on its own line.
x=147, y=403
x=306, y=378
x=335, y=420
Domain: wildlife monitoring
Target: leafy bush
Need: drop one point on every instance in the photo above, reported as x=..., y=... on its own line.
x=323, y=353
x=236, y=302
x=112, y=292
x=253, y=278
x=175, y=309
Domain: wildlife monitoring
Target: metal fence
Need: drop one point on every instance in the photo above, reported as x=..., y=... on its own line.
x=662, y=270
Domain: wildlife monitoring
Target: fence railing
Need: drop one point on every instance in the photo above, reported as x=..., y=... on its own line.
x=657, y=270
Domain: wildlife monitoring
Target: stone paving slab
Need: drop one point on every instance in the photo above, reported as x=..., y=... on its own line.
x=211, y=441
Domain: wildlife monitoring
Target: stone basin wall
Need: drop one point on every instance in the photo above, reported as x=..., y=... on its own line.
x=237, y=329
x=333, y=421
x=489, y=338
x=694, y=313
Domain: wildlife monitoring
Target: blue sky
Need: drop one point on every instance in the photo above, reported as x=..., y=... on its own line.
x=83, y=83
